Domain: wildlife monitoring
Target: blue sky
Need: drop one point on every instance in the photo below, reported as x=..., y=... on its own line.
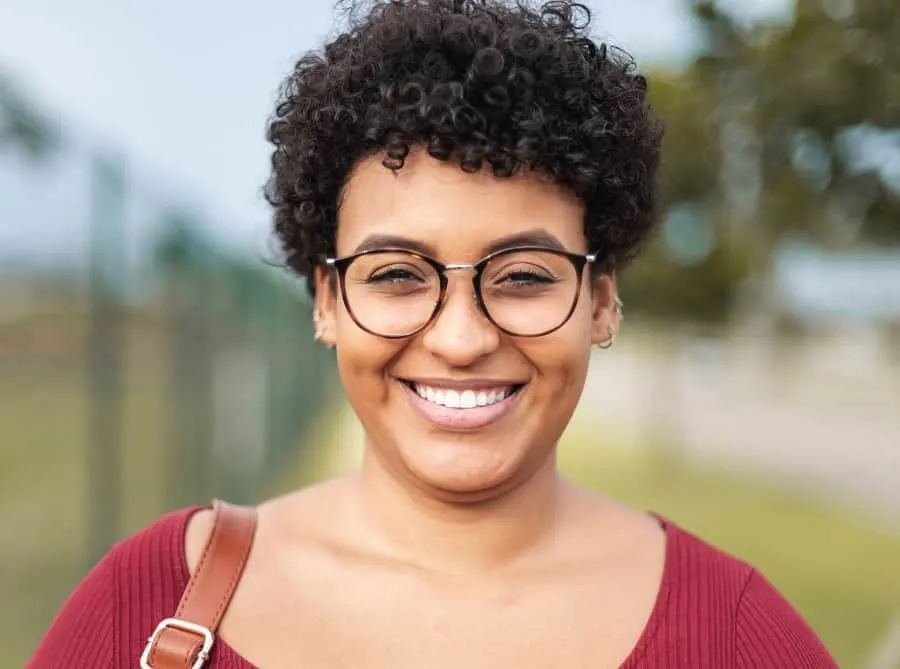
x=184, y=90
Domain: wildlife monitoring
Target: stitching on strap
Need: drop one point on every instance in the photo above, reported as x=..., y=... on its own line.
x=204, y=556
x=227, y=595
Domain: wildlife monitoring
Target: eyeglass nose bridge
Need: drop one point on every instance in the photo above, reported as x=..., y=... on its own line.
x=457, y=267
x=462, y=266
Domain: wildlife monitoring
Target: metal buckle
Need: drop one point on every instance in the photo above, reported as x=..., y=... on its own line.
x=177, y=623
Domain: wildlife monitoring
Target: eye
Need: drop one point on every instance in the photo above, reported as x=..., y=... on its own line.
x=390, y=275
x=526, y=277
x=521, y=275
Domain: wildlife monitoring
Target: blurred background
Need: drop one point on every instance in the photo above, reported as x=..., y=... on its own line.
x=151, y=357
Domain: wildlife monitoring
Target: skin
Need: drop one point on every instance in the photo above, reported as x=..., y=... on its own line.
x=450, y=548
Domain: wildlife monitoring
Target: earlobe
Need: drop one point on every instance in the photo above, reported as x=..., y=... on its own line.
x=606, y=313
x=321, y=333
x=324, y=309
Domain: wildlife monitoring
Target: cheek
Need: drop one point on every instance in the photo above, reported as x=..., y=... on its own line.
x=363, y=361
x=561, y=359
x=570, y=346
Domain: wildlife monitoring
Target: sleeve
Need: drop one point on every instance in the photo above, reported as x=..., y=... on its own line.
x=771, y=634
x=82, y=635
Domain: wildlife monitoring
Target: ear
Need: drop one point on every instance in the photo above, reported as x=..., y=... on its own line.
x=325, y=311
x=605, y=317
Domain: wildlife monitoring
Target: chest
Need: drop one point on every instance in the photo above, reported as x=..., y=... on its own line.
x=409, y=621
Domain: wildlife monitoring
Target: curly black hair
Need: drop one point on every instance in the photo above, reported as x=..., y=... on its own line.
x=475, y=81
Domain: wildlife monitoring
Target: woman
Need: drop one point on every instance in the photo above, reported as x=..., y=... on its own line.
x=460, y=182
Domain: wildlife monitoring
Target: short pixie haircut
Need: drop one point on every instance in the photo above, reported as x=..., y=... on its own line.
x=484, y=83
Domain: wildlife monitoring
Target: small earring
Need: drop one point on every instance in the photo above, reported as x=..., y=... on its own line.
x=318, y=337
x=609, y=342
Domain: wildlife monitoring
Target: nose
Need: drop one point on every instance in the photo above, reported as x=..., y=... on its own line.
x=461, y=334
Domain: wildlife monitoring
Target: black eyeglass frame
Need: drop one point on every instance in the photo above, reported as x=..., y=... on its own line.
x=578, y=261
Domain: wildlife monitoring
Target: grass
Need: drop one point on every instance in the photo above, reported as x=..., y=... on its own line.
x=43, y=492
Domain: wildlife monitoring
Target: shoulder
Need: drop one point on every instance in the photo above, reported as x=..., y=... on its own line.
x=712, y=572
x=150, y=576
x=80, y=635
x=114, y=608
x=162, y=541
x=769, y=632
x=304, y=517
x=154, y=556
x=740, y=605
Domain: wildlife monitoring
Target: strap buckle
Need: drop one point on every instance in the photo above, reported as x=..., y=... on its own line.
x=184, y=625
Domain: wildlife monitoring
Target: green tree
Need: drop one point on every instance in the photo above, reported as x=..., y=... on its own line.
x=776, y=131
x=828, y=114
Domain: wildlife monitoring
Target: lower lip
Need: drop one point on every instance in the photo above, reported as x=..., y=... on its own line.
x=460, y=419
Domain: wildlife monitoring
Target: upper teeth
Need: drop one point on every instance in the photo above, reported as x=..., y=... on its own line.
x=462, y=399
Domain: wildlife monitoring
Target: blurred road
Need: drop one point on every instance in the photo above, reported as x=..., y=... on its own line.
x=835, y=435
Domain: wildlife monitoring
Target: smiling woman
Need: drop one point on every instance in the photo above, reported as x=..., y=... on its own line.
x=460, y=181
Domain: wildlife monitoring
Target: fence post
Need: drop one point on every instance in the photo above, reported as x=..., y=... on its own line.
x=187, y=284
x=105, y=387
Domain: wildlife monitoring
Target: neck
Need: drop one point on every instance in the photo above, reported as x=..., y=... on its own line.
x=457, y=536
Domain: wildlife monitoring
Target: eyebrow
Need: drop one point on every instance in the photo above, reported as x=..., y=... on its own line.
x=536, y=237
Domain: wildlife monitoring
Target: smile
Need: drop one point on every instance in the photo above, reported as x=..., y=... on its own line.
x=459, y=407
x=462, y=398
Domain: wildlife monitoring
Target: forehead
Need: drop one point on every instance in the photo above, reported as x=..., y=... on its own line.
x=458, y=215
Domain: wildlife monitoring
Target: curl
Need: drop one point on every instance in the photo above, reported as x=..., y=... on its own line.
x=479, y=82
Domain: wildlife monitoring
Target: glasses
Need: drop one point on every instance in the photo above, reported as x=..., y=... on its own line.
x=524, y=292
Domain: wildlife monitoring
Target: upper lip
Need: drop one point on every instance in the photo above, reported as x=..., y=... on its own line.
x=463, y=384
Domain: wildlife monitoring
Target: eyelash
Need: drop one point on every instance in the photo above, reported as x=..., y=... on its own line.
x=390, y=275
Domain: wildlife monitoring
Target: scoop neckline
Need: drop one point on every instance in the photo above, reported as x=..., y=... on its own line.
x=224, y=651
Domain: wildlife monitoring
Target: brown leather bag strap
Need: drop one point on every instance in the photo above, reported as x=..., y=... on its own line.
x=184, y=641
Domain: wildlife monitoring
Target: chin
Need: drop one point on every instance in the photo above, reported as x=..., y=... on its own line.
x=470, y=471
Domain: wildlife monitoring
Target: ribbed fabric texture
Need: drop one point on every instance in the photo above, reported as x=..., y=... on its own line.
x=712, y=612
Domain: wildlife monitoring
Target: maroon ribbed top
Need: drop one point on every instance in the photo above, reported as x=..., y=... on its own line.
x=712, y=611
